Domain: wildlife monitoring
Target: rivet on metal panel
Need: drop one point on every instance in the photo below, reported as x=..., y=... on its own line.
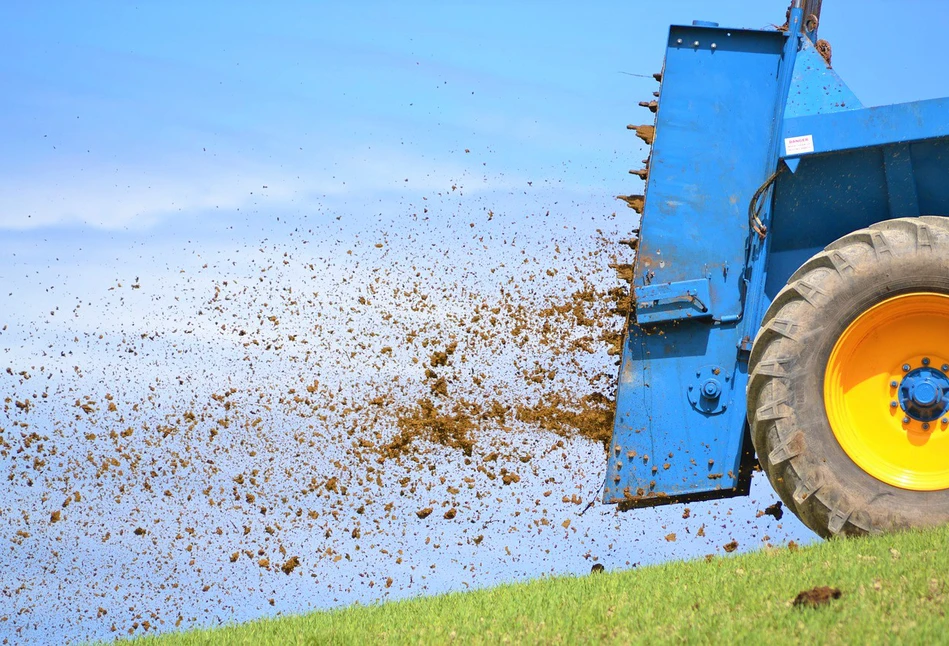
x=678, y=41
x=695, y=44
x=714, y=46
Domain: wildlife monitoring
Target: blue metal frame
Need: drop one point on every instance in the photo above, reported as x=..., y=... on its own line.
x=735, y=107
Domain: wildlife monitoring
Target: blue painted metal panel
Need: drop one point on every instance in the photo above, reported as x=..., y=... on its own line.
x=833, y=194
x=723, y=94
x=816, y=88
x=868, y=127
x=705, y=160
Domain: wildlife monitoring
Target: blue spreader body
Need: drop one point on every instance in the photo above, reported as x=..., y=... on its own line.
x=735, y=107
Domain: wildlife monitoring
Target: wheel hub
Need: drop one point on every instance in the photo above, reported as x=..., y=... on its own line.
x=924, y=394
x=886, y=391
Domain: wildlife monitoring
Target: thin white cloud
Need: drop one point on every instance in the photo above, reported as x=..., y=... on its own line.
x=136, y=196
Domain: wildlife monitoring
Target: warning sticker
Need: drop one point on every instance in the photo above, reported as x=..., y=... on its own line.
x=799, y=145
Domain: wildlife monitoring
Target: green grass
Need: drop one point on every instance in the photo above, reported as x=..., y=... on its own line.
x=895, y=589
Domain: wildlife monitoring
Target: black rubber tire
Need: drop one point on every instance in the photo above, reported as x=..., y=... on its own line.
x=795, y=445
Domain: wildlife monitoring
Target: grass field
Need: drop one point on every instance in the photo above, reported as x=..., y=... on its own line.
x=894, y=589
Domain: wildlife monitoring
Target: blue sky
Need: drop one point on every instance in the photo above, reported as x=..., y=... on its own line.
x=119, y=115
x=172, y=174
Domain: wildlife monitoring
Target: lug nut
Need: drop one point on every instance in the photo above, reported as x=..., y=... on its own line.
x=893, y=384
x=945, y=420
x=905, y=367
x=906, y=420
x=925, y=361
x=925, y=426
x=893, y=404
x=945, y=367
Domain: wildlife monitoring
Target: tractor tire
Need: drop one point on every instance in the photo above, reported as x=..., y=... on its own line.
x=848, y=392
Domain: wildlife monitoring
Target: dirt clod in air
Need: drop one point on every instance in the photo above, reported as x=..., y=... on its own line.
x=730, y=547
x=775, y=510
x=424, y=513
x=426, y=422
x=816, y=597
x=290, y=565
x=591, y=416
x=597, y=568
x=439, y=387
x=825, y=50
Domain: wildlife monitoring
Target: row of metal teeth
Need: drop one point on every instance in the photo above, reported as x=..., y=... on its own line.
x=624, y=271
x=647, y=133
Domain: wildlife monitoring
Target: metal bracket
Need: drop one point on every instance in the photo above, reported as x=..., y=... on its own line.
x=685, y=299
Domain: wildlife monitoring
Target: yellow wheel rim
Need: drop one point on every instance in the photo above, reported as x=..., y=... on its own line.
x=885, y=390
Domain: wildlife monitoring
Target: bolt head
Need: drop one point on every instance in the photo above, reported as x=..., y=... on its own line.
x=714, y=46
x=925, y=361
x=893, y=384
x=945, y=420
x=679, y=41
x=906, y=420
x=893, y=404
x=695, y=44
x=945, y=367
x=905, y=367
x=925, y=426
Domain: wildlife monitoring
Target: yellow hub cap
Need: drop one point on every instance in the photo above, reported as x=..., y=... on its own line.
x=884, y=389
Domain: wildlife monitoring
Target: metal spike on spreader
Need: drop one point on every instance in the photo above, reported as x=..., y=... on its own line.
x=642, y=173
x=635, y=202
x=646, y=133
x=652, y=105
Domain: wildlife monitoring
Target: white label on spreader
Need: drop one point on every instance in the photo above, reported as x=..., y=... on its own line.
x=799, y=145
